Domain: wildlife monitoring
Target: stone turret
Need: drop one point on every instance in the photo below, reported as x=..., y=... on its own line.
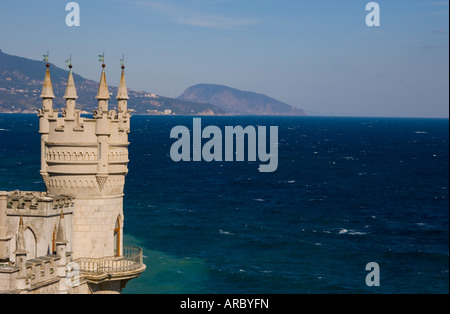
x=88, y=159
x=122, y=104
x=84, y=162
x=4, y=238
x=21, y=257
x=81, y=156
x=103, y=129
x=70, y=96
x=45, y=114
x=61, y=251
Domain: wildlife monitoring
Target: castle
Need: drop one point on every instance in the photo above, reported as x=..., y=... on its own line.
x=69, y=239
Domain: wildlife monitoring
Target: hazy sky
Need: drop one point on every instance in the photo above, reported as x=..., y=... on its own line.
x=318, y=55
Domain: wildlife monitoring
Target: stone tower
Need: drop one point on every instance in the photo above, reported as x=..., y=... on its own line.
x=87, y=159
x=69, y=239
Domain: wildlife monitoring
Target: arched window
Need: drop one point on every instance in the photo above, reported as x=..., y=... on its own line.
x=30, y=243
x=117, y=238
x=54, y=240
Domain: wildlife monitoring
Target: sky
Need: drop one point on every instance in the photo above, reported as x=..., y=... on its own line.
x=318, y=55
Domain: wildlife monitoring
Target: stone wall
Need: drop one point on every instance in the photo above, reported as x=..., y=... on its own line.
x=93, y=227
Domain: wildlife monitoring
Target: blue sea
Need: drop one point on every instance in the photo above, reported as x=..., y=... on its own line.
x=347, y=192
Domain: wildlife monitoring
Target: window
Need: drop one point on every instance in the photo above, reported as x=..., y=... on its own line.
x=30, y=243
x=54, y=240
x=117, y=238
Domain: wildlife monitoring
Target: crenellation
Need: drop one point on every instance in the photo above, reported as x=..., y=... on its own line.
x=113, y=122
x=35, y=202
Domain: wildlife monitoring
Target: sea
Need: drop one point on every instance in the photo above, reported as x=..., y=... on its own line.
x=347, y=192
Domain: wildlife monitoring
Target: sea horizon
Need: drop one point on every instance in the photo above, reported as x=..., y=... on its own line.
x=249, y=116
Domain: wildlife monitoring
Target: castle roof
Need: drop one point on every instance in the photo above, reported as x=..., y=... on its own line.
x=71, y=92
x=103, y=93
x=122, y=93
x=47, y=89
x=61, y=236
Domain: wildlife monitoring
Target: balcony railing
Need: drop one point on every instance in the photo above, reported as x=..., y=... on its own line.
x=131, y=261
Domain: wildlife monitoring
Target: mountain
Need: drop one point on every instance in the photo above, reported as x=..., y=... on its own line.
x=21, y=82
x=234, y=101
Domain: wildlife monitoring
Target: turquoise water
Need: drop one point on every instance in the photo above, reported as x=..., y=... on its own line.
x=348, y=191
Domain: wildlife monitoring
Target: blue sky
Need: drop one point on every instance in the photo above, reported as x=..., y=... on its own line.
x=318, y=55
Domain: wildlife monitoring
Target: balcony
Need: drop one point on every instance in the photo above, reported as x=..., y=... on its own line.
x=125, y=267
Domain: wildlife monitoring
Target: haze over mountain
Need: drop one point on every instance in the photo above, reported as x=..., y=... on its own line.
x=238, y=102
x=21, y=82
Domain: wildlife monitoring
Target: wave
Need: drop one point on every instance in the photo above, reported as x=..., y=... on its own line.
x=350, y=158
x=226, y=232
x=259, y=200
x=351, y=232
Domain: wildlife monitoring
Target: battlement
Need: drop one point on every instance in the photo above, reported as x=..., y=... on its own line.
x=62, y=122
x=82, y=130
x=86, y=157
x=104, y=121
x=40, y=273
x=19, y=203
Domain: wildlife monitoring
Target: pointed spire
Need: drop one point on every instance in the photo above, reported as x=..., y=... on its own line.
x=71, y=91
x=61, y=236
x=20, y=245
x=47, y=89
x=103, y=93
x=122, y=93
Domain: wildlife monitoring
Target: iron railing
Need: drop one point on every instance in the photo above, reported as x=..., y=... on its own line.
x=132, y=259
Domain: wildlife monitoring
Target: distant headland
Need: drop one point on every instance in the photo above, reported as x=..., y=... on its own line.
x=21, y=80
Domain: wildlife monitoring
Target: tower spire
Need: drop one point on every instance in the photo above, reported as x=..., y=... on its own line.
x=21, y=257
x=102, y=93
x=122, y=93
x=122, y=101
x=70, y=94
x=61, y=236
x=47, y=88
x=20, y=246
x=45, y=114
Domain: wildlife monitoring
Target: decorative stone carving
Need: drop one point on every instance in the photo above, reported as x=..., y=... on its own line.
x=46, y=179
x=101, y=180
